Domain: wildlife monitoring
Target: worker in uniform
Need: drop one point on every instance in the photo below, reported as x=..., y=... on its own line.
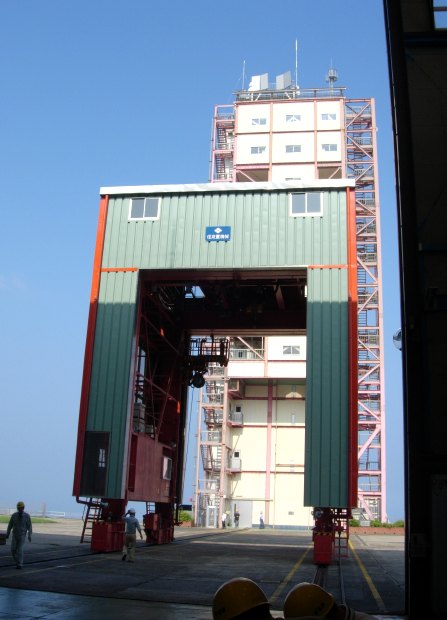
x=308, y=600
x=20, y=525
x=132, y=525
x=240, y=599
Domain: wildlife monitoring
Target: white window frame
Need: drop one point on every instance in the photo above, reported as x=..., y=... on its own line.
x=102, y=458
x=147, y=200
x=306, y=213
x=293, y=118
x=259, y=121
x=257, y=150
x=330, y=148
x=328, y=116
x=295, y=349
x=293, y=148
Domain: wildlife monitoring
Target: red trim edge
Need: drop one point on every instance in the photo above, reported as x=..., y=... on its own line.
x=88, y=355
x=353, y=354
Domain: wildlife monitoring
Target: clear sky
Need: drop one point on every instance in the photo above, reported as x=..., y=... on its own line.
x=121, y=92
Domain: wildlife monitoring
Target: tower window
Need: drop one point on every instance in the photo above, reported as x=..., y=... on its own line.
x=293, y=118
x=328, y=117
x=306, y=203
x=259, y=121
x=102, y=458
x=144, y=209
x=293, y=148
x=257, y=150
x=291, y=349
x=329, y=147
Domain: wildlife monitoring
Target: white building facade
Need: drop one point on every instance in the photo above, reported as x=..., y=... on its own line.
x=251, y=448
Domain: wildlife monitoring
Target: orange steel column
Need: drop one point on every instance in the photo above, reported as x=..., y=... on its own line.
x=352, y=344
x=88, y=355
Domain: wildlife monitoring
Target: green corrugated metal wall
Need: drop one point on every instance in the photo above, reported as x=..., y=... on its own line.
x=327, y=413
x=111, y=371
x=263, y=235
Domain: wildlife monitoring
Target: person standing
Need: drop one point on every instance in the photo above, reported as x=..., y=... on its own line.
x=20, y=525
x=224, y=520
x=261, y=521
x=236, y=518
x=132, y=525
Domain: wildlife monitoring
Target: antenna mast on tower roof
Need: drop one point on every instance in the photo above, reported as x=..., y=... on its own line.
x=331, y=77
x=296, y=63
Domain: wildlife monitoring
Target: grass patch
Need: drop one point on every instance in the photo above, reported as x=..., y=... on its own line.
x=376, y=523
x=5, y=519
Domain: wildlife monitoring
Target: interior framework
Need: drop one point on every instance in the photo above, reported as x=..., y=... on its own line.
x=173, y=309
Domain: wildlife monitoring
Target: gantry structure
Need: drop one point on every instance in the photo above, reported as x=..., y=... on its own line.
x=356, y=158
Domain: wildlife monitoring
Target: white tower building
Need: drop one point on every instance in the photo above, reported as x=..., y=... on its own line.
x=251, y=436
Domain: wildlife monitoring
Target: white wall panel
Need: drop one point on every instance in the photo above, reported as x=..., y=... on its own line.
x=287, y=370
x=295, y=172
x=290, y=412
x=245, y=117
x=304, y=109
x=303, y=140
x=328, y=137
x=329, y=107
x=245, y=144
x=276, y=345
x=288, y=506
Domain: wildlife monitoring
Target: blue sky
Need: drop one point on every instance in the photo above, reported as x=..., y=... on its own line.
x=121, y=92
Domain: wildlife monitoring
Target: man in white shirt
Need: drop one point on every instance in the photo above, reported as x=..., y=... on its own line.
x=132, y=525
x=20, y=524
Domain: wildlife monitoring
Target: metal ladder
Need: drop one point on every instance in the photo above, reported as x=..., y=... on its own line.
x=92, y=511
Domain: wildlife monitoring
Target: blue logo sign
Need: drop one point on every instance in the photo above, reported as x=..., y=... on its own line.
x=218, y=233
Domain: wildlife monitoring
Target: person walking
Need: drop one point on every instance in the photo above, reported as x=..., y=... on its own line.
x=236, y=518
x=132, y=525
x=261, y=521
x=20, y=525
x=224, y=520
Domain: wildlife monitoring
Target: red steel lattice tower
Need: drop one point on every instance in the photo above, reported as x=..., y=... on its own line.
x=357, y=159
